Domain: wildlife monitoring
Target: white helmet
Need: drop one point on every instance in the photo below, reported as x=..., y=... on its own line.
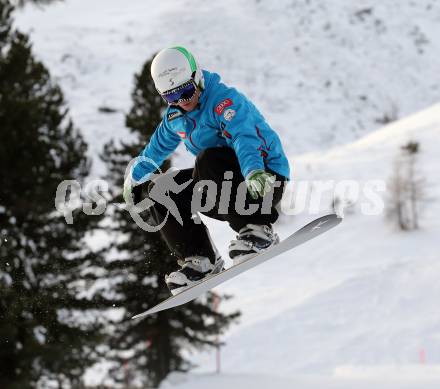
x=173, y=67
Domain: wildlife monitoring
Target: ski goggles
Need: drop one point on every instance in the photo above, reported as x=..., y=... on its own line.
x=182, y=93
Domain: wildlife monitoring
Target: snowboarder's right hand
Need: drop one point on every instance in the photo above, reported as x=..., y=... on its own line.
x=259, y=183
x=132, y=194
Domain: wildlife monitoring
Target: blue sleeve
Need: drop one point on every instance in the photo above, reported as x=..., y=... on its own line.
x=161, y=145
x=238, y=124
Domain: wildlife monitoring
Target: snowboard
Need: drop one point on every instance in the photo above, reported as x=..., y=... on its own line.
x=309, y=231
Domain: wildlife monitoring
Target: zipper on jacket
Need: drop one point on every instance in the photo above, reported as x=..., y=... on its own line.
x=190, y=135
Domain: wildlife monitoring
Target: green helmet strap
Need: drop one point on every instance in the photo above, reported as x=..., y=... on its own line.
x=189, y=57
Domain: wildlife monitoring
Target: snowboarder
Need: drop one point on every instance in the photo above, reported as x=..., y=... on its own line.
x=232, y=143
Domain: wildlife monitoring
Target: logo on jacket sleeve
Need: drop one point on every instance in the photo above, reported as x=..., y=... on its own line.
x=173, y=115
x=224, y=104
x=229, y=114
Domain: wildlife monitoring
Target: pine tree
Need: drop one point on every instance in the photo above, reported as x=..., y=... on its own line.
x=41, y=257
x=406, y=188
x=21, y=3
x=148, y=350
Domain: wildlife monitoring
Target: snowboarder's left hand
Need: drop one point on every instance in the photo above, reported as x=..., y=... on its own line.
x=259, y=183
x=132, y=194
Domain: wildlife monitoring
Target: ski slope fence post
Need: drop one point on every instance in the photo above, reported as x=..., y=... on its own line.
x=422, y=356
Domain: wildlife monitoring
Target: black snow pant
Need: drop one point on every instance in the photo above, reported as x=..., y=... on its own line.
x=216, y=165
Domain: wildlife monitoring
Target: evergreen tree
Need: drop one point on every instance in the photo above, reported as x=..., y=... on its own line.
x=21, y=3
x=41, y=257
x=406, y=189
x=151, y=348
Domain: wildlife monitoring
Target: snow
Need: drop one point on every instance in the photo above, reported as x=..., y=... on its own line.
x=362, y=297
x=358, y=306
x=259, y=381
x=323, y=72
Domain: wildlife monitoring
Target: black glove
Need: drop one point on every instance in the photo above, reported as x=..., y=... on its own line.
x=137, y=194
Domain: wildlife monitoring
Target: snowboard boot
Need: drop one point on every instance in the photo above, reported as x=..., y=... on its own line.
x=193, y=270
x=252, y=240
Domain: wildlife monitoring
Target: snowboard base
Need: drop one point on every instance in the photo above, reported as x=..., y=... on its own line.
x=306, y=233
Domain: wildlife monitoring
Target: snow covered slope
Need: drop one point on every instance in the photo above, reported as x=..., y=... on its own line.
x=362, y=297
x=260, y=381
x=323, y=72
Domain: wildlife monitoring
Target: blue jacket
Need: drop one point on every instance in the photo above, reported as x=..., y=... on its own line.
x=223, y=118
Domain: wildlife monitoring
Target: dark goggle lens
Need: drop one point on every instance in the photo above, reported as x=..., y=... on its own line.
x=183, y=92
